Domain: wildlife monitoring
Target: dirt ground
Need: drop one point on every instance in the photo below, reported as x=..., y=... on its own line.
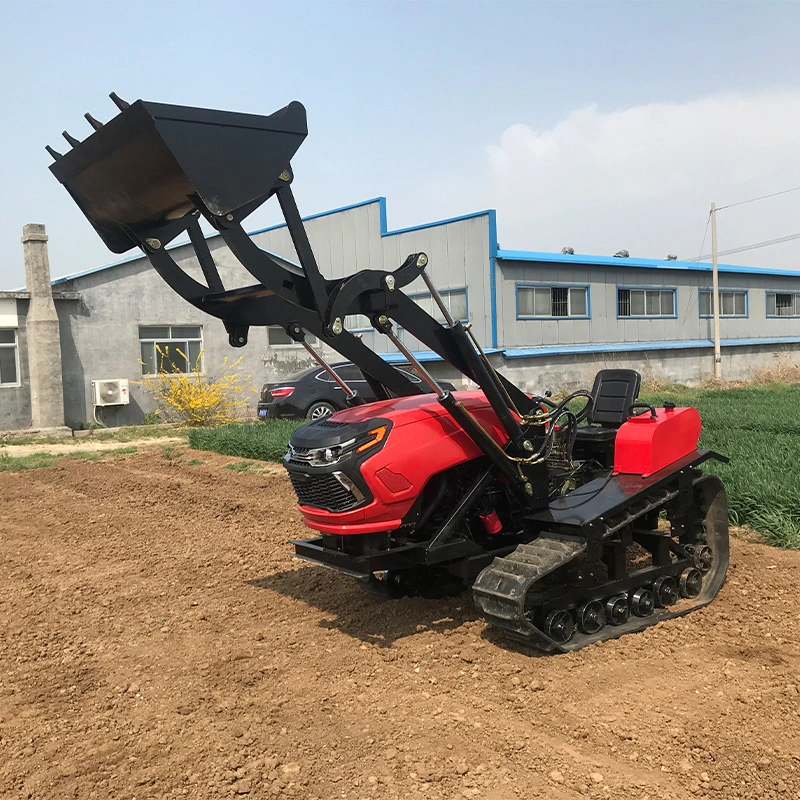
x=157, y=640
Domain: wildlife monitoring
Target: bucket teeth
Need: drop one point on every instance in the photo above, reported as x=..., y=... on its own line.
x=119, y=102
x=96, y=124
x=71, y=139
x=56, y=155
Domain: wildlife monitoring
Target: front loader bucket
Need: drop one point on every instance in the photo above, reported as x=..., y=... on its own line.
x=145, y=172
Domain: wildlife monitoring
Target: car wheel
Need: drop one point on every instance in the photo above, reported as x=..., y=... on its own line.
x=320, y=410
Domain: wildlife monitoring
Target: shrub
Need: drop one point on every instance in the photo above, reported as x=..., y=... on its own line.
x=194, y=398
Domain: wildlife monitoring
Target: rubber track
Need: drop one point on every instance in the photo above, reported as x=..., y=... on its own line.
x=500, y=590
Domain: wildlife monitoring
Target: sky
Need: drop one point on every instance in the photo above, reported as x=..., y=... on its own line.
x=596, y=125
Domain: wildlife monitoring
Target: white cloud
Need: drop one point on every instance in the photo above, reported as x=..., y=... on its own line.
x=643, y=178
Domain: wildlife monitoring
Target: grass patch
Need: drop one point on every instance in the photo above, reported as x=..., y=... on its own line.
x=758, y=427
x=9, y=463
x=261, y=441
x=239, y=466
x=34, y=461
x=127, y=434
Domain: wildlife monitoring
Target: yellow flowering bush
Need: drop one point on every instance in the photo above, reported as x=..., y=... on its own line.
x=194, y=398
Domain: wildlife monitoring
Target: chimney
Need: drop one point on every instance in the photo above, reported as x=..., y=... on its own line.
x=44, y=341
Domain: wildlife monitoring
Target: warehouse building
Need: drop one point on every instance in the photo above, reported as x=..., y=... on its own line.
x=547, y=320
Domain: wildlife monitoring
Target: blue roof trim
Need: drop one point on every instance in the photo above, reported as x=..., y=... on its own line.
x=493, y=274
x=643, y=263
x=381, y=200
x=383, y=218
x=637, y=347
x=383, y=226
x=494, y=252
x=488, y=212
x=67, y=278
x=91, y=271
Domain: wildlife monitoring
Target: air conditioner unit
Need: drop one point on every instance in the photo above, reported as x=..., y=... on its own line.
x=112, y=392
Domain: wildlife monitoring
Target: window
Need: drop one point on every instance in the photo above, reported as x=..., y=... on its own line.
x=357, y=322
x=277, y=337
x=646, y=302
x=171, y=348
x=552, y=301
x=783, y=304
x=350, y=374
x=731, y=304
x=9, y=374
x=455, y=300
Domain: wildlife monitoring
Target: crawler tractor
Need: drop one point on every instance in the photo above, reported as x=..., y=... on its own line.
x=573, y=521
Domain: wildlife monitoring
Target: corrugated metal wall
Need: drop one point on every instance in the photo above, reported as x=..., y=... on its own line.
x=354, y=239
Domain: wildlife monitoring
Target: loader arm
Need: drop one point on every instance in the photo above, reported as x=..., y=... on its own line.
x=154, y=171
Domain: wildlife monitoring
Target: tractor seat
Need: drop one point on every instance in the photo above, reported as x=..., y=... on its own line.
x=613, y=394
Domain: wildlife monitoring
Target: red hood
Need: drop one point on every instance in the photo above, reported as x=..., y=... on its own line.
x=407, y=410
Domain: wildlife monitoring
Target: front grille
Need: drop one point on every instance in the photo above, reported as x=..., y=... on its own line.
x=322, y=491
x=298, y=455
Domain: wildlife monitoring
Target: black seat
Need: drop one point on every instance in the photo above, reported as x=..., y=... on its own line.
x=613, y=394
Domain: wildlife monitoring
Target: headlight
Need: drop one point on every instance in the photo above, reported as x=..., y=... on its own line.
x=324, y=456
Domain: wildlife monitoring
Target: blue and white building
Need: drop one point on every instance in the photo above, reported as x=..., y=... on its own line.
x=548, y=320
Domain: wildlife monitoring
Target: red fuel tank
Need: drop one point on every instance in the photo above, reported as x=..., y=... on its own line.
x=646, y=444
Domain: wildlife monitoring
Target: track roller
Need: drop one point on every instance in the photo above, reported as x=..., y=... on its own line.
x=618, y=611
x=642, y=602
x=591, y=617
x=691, y=582
x=703, y=557
x=665, y=591
x=559, y=626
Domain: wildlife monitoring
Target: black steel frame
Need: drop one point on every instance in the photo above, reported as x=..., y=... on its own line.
x=303, y=300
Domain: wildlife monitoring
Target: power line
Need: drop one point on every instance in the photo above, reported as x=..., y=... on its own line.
x=763, y=197
x=746, y=247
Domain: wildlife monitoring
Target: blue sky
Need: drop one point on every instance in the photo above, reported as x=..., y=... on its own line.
x=599, y=125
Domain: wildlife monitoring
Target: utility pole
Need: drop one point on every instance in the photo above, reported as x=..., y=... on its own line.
x=715, y=293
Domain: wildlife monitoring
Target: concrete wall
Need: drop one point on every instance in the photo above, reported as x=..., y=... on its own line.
x=688, y=366
x=100, y=338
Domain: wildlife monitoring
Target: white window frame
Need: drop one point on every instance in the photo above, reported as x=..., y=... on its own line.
x=447, y=295
x=722, y=313
x=15, y=346
x=644, y=290
x=310, y=338
x=795, y=305
x=570, y=288
x=357, y=323
x=171, y=341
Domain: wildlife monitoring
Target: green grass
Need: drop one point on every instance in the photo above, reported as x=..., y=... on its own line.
x=759, y=429
x=262, y=441
x=9, y=463
x=239, y=466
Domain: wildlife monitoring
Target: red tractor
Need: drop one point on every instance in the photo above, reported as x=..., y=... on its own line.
x=572, y=521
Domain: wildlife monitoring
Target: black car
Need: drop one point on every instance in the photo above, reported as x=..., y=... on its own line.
x=313, y=394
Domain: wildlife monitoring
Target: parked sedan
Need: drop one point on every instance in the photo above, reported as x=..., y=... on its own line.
x=313, y=394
